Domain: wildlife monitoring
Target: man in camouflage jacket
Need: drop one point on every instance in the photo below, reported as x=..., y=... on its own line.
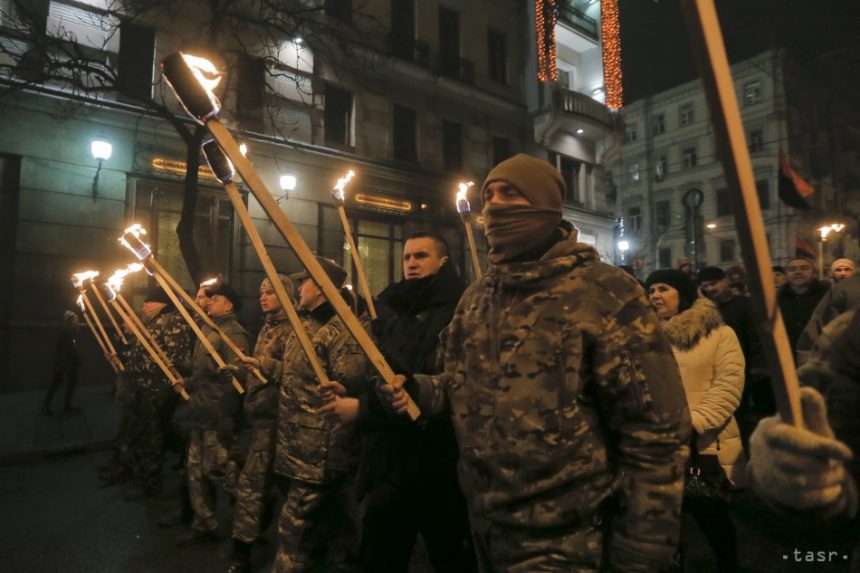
x=319, y=457
x=214, y=405
x=565, y=398
x=152, y=397
x=261, y=411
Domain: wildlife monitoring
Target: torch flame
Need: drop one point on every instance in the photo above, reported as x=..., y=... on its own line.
x=199, y=66
x=209, y=282
x=115, y=281
x=463, y=205
x=80, y=303
x=341, y=184
x=141, y=250
x=78, y=279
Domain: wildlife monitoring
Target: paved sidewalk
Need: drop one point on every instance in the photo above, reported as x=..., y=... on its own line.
x=26, y=434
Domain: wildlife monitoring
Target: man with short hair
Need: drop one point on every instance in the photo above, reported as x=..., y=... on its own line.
x=841, y=269
x=798, y=298
x=757, y=400
x=409, y=472
x=213, y=406
x=564, y=394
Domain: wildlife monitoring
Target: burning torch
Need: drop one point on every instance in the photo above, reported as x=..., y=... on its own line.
x=185, y=74
x=465, y=210
x=79, y=280
x=117, y=366
x=338, y=194
x=223, y=170
x=131, y=239
x=147, y=340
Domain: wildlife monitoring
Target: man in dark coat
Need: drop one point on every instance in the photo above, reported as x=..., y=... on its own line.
x=799, y=297
x=409, y=473
x=66, y=364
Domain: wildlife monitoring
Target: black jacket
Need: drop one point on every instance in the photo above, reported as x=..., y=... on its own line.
x=797, y=309
x=412, y=316
x=737, y=313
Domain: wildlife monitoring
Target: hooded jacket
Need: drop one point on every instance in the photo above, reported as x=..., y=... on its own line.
x=564, y=394
x=712, y=370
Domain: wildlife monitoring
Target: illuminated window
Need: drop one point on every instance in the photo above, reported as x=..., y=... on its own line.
x=685, y=114
x=752, y=93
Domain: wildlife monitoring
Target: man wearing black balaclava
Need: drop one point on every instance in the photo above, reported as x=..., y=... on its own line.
x=565, y=398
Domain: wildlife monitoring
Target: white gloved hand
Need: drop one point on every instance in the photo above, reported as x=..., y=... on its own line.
x=800, y=468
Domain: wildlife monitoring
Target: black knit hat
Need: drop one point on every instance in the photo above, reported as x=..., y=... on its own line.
x=778, y=269
x=334, y=271
x=157, y=294
x=681, y=282
x=711, y=274
x=226, y=291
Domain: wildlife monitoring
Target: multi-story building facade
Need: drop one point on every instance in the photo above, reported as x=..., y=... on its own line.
x=573, y=129
x=425, y=94
x=670, y=187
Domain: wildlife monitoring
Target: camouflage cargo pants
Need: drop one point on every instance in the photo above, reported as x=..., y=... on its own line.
x=254, y=486
x=127, y=403
x=318, y=528
x=154, y=411
x=211, y=463
x=513, y=549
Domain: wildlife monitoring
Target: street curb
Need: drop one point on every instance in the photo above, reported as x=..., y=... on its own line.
x=19, y=458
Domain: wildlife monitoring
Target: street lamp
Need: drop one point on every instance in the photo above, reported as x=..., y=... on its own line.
x=101, y=151
x=623, y=247
x=823, y=233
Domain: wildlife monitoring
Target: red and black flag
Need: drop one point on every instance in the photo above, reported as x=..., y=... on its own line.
x=793, y=190
x=802, y=248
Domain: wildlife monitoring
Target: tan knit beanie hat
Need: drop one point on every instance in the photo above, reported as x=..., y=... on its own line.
x=537, y=180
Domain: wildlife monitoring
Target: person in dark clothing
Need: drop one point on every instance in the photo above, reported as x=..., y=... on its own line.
x=757, y=400
x=66, y=364
x=799, y=297
x=408, y=475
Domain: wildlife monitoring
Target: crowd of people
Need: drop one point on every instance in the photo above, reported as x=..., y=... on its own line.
x=569, y=416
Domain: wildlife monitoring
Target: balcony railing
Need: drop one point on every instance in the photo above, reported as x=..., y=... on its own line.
x=567, y=101
x=409, y=49
x=456, y=67
x=578, y=20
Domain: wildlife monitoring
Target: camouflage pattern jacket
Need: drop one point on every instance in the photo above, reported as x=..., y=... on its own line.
x=214, y=401
x=563, y=392
x=261, y=400
x=309, y=448
x=173, y=335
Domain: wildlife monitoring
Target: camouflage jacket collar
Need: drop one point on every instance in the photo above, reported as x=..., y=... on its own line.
x=559, y=260
x=275, y=318
x=224, y=318
x=687, y=328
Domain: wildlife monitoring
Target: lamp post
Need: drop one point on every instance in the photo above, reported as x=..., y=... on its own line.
x=823, y=233
x=101, y=151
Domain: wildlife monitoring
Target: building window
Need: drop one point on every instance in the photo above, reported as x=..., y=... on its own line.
x=250, y=86
x=569, y=169
x=339, y=9
x=501, y=149
x=658, y=123
x=661, y=168
x=633, y=172
x=727, y=250
x=689, y=155
x=405, y=146
x=763, y=188
x=663, y=213
x=449, y=41
x=497, y=56
x=158, y=206
x=686, y=114
x=452, y=146
x=752, y=93
x=630, y=132
x=724, y=205
x=338, y=116
x=664, y=258
x=136, y=53
x=634, y=219
x=756, y=140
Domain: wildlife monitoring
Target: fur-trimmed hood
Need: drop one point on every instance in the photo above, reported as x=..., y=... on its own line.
x=687, y=328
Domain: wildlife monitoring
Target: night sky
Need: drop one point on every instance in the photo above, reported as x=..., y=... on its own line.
x=655, y=49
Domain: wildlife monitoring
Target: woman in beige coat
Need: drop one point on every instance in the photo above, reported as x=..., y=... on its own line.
x=712, y=370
